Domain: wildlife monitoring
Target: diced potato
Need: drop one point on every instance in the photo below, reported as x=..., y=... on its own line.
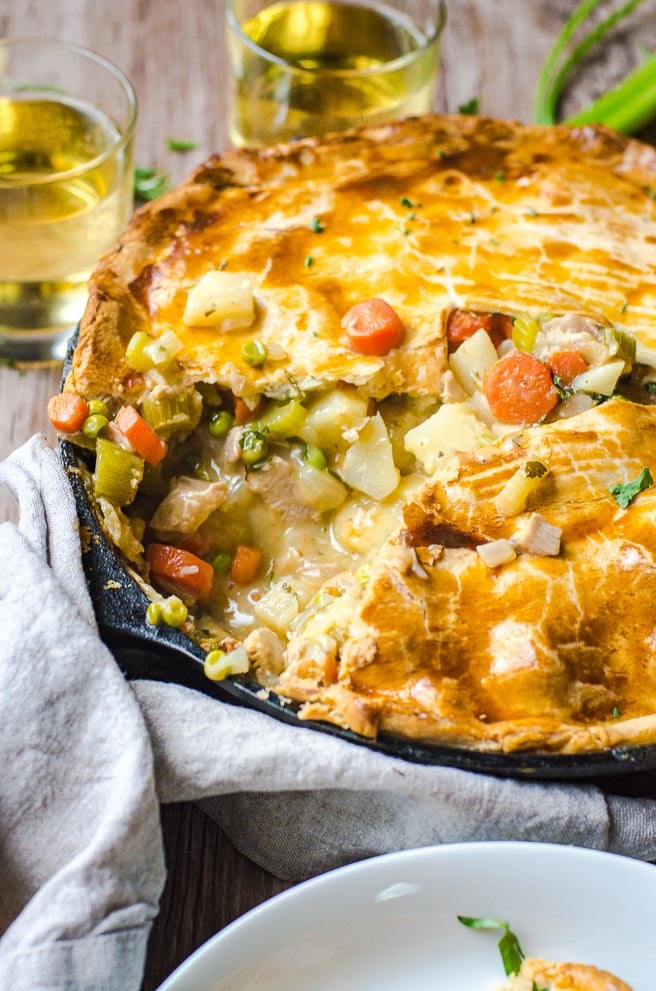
x=278, y=607
x=363, y=525
x=454, y=427
x=600, y=380
x=319, y=489
x=513, y=497
x=329, y=416
x=472, y=359
x=162, y=350
x=368, y=464
x=221, y=299
x=496, y=552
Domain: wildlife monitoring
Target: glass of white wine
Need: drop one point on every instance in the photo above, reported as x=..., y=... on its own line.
x=67, y=119
x=301, y=67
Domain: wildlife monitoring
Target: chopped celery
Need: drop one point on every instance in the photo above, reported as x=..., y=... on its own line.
x=283, y=421
x=626, y=345
x=118, y=472
x=525, y=330
x=180, y=411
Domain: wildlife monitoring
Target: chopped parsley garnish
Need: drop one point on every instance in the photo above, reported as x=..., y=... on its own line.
x=149, y=183
x=500, y=176
x=316, y=226
x=624, y=307
x=470, y=107
x=624, y=494
x=531, y=212
x=651, y=388
x=563, y=390
x=616, y=713
x=535, y=469
x=308, y=261
x=180, y=144
x=651, y=192
x=406, y=202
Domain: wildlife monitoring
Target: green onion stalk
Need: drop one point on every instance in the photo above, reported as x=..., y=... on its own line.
x=627, y=107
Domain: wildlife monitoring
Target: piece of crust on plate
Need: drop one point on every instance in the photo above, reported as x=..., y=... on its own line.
x=550, y=976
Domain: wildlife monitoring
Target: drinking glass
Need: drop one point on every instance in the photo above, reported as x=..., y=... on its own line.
x=67, y=119
x=302, y=67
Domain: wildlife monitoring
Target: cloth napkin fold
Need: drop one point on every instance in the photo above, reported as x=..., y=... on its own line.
x=85, y=758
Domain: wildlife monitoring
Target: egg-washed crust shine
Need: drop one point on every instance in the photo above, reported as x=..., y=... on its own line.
x=431, y=213
x=437, y=213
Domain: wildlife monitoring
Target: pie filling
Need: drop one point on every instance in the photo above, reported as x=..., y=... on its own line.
x=266, y=531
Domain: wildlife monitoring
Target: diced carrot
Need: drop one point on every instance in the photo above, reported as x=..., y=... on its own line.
x=243, y=412
x=462, y=324
x=245, y=564
x=567, y=365
x=67, y=412
x=191, y=573
x=373, y=327
x=519, y=388
x=141, y=435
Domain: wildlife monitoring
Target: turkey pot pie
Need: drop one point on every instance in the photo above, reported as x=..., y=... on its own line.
x=372, y=421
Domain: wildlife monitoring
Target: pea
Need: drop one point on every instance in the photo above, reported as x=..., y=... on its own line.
x=174, y=611
x=221, y=562
x=254, y=353
x=220, y=423
x=94, y=425
x=154, y=614
x=253, y=446
x=214, y=666
x=97, y=406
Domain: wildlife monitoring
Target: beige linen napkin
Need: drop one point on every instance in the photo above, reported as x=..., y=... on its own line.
x=80, y=847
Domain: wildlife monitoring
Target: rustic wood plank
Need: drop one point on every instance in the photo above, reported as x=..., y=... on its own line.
x=209, y=884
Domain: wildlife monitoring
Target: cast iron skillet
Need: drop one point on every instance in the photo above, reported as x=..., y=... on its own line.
x=165, y=654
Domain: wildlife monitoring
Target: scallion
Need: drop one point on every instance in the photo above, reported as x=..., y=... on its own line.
x=627, y=107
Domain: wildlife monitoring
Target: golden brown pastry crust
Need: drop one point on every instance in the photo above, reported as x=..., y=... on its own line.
x=435, y=213
x=552, y=976
x=555, y=653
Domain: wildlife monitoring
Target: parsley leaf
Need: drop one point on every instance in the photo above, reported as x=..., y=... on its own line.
x=624, y=494
x=316, y=226
x=471, y=107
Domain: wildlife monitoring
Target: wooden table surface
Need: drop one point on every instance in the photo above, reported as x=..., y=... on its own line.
x=173, y=52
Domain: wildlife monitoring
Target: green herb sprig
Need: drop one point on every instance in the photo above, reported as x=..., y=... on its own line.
x=625, y=493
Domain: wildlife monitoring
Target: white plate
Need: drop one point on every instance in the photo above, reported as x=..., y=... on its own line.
x=389, y=924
